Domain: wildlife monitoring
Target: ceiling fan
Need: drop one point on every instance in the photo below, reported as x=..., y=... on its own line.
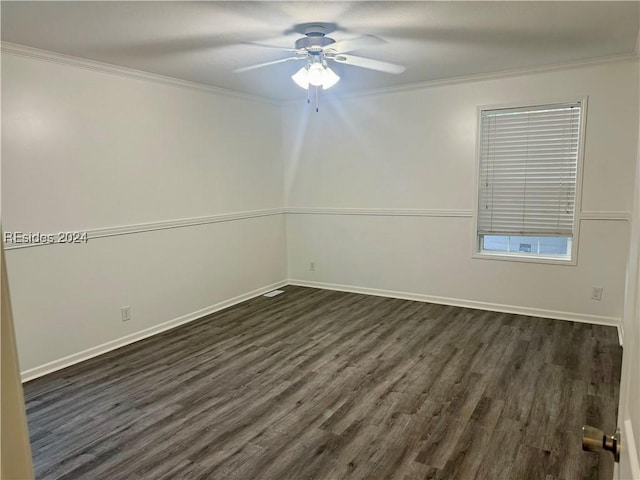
x=318, y=50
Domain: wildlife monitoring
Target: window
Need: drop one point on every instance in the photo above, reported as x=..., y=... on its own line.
x=527, y=184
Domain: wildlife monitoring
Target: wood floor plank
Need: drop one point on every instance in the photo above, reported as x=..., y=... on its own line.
x=319, y=384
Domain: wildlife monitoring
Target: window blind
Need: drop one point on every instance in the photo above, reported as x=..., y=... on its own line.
x=528, y=170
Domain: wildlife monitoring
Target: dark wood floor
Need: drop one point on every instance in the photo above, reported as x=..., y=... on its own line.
x=316, y=384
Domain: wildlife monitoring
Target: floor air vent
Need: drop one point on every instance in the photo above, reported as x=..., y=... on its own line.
x=273, y=293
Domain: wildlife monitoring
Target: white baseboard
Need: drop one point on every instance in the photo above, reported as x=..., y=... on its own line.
x=190, y=317
x=50, y=367
x=457, y=302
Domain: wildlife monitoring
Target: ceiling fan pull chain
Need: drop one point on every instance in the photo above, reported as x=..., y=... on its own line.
x=317, y=99
x=308, y=95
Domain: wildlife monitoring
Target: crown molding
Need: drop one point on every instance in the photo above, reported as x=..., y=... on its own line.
x=9, y=48
x=47, y=55
x=555, y=67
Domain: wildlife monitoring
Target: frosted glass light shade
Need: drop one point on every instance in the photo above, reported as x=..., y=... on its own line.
x=330, y=78
x=301, y=77
x=317, y=75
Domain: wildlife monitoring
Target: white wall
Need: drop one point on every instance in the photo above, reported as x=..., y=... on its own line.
x=416, y=149
x=84, y=149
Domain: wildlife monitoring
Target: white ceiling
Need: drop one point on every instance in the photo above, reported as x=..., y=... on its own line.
x=204, y=41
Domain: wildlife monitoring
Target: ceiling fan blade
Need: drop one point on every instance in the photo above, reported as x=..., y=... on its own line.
x=351, y=44
x=266, y=45
x=266, y=64
x=369, y=63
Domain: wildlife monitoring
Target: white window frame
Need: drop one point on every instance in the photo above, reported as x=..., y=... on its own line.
x=520, y=256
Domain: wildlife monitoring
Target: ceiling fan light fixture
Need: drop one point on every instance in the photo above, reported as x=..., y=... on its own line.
x=301, y=77
x=318, y=50
x=317, y=75
x=330, y=78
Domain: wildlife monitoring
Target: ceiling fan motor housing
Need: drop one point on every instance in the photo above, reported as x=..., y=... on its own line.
x=314, y=40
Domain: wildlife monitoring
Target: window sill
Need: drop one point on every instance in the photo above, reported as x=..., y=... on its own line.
x=518, y=257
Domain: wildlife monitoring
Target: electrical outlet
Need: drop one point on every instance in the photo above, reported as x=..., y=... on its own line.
x=596, y=293
x=312, y=266
x=126, y=313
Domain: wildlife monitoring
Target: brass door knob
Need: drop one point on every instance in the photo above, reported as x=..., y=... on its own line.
x=595, y=440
